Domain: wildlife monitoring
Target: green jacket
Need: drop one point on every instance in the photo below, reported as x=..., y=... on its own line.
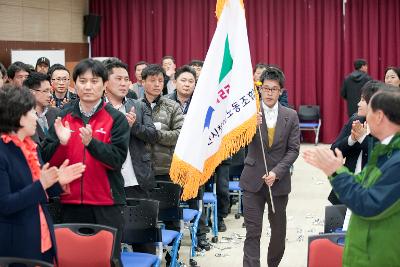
x=373, y=196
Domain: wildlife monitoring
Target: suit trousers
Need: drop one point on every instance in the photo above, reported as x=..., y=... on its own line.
x=253, y=209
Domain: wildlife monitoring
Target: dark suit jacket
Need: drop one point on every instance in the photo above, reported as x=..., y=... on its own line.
x=51, y=116
x=351, y=153
x=19, y=212
x=280, y=156
x=143, y=133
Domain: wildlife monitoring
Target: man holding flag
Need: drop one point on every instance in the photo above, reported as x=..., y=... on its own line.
x=223, y=117
x=275, y=147
x=222, y=112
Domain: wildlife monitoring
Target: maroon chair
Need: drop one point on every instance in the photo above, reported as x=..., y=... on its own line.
x=325, y=250
x=82, y=245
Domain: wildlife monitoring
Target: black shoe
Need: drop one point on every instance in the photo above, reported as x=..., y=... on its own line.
x=203, y=244
x=221, y=226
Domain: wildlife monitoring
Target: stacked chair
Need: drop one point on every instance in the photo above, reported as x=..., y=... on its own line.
x=141, y=227
x=168, y=194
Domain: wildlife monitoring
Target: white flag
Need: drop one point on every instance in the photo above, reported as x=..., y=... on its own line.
x=222, y=114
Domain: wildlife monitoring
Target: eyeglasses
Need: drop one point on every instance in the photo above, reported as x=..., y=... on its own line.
x=64, y=80
x=271, y=90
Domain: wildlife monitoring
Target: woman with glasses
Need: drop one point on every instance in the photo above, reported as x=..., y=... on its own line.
x=26, y=229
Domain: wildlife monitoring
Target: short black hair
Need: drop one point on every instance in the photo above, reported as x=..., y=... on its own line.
x=95, y=66
x=3, y=70
x=260, y=66
x=370, y=88
x=110, y=60
x=273, y=73
x=168, y=57
x=389, y=103
x=55, y=67
x=15, y=101
x=16, y=67
x=35, y=79
x=115, y=64
x=152, y=70
x=141, y=63
x=359, y=62
x=183, y=69
x=395, y=69
x=197, y=63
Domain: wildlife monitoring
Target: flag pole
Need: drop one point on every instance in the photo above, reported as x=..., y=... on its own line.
x=265, y=165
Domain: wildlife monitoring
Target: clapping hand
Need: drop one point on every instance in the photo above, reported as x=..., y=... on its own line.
x=68, y=173
x=358, y=130
x=48, y=176
x=170, y=72
x=63, y=131
x=324, y=159
x=131, y=116
x=86, y=134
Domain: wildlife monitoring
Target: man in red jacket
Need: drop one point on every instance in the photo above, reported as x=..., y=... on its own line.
x=93, y=132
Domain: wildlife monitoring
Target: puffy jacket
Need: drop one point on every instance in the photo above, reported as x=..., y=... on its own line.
x=169, y=114
x=102, y=182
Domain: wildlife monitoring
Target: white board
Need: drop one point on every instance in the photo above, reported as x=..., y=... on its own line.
x=31, y=56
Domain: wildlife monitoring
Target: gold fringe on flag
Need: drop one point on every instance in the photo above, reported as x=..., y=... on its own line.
x=220, y=6
x=190, y=178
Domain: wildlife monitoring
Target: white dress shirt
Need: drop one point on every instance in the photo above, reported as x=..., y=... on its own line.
x=271, y=114
x=127, y=168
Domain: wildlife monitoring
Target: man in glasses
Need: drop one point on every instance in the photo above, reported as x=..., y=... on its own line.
x=279, y=128
x=40, y=87
x=60, y=77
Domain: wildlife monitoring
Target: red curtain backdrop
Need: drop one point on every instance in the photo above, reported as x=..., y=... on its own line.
x=313, y=42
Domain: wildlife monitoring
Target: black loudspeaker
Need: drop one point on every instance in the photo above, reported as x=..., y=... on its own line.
x=92, y=25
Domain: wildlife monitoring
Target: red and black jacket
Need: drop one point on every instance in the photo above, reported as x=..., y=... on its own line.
x=102, y=182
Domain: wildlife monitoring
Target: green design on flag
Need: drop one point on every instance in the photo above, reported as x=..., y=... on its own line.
x=227, y=61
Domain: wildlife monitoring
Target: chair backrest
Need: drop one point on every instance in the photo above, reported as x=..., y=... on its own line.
x=84, y=244
x=309, y=113
x=334, y=217
x=325, y=251
x=168, y=194
x=8, y=261
x=140, y=218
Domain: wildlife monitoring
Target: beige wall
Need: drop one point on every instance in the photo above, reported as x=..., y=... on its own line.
x=43, y=20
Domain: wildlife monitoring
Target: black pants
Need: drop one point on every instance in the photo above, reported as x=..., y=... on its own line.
x=222, y=184
x=254, y=205
x=106, y=215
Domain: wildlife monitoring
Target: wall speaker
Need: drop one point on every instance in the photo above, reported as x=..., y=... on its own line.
x=91, y=25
